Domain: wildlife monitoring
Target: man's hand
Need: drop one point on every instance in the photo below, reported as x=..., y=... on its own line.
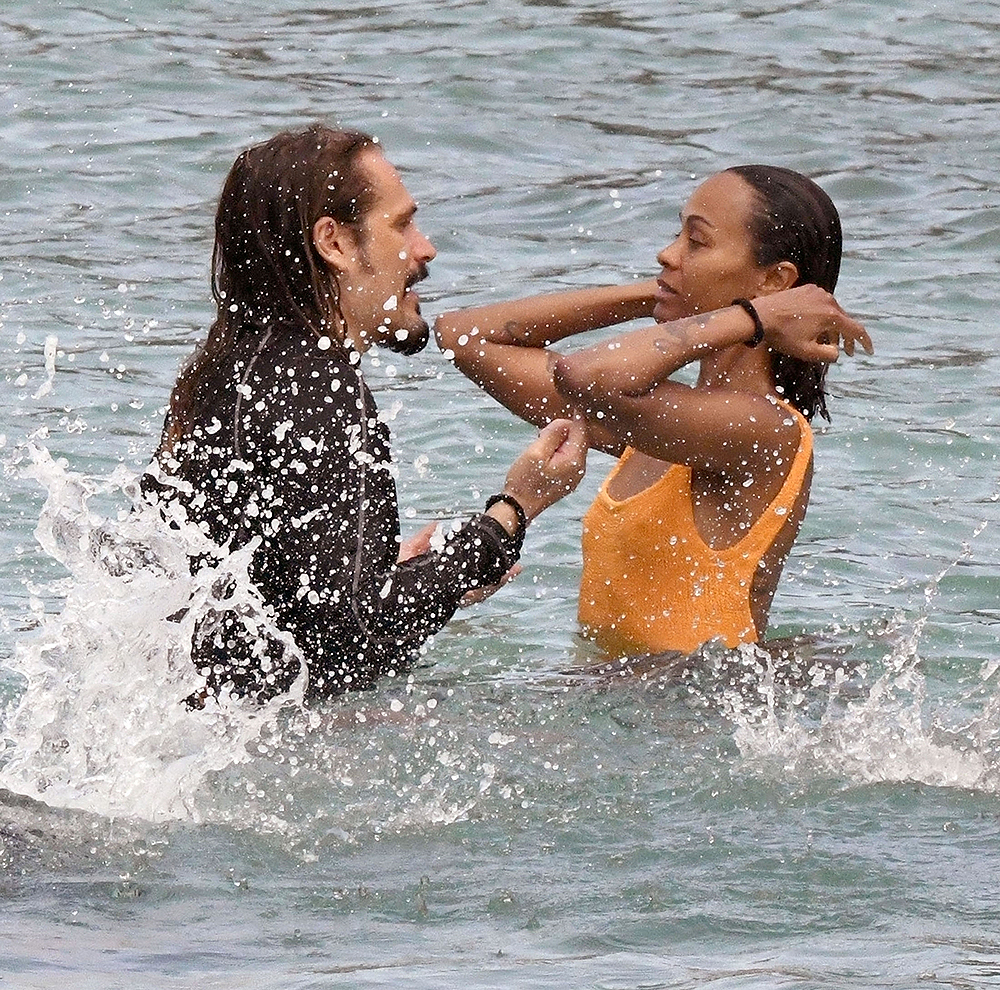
x=807, y=323
x=478, y=595
x=414, y=546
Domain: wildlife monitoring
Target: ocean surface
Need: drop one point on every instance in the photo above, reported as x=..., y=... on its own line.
x=821, y=814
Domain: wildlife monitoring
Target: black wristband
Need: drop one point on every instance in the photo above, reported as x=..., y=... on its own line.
x=522, y=519
x=758, y=327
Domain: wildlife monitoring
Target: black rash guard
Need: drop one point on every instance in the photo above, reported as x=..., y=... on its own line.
x=293, y=451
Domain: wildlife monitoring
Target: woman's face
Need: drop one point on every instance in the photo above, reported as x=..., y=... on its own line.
x=711, y=262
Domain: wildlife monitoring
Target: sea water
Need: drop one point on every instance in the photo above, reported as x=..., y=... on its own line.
x=511, y=813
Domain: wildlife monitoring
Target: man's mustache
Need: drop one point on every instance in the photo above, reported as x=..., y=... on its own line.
x=418, y=276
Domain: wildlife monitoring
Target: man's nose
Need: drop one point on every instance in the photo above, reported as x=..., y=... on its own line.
x=422, y=250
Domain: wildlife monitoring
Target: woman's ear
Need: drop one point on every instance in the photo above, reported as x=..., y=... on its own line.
x=781, y=276
x=335, y=243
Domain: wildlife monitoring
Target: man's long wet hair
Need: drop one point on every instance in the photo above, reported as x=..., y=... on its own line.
x=794, y=220
x=265, y=267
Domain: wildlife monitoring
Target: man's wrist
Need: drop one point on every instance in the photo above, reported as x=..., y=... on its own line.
x=508, y=512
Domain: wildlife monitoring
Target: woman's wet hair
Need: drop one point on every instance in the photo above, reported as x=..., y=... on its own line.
x=265, y=267
x=794, y=220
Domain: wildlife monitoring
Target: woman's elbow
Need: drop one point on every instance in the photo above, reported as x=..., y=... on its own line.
x=454, y=341
x=569, y=378
x=445, y=332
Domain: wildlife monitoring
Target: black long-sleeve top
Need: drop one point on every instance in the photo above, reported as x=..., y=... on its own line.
x=293, y=451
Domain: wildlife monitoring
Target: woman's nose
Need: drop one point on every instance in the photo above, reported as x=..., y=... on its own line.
x=668, y=255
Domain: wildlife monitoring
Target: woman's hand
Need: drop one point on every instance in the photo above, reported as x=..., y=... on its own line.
x=807, y=323
x=550, y=467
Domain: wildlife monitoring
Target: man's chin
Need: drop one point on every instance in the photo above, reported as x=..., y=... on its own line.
x=407, y=340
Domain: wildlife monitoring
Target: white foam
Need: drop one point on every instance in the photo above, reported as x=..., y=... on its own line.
x=101, y=725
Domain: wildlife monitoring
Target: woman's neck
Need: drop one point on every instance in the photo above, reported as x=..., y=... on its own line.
x=740, y=368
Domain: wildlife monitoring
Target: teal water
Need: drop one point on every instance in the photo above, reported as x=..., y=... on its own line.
x=824, y=817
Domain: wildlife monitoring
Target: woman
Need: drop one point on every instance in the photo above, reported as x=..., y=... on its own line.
x=688, y=535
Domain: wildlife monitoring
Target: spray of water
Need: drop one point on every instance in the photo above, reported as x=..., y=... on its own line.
x=100, y=724
x=875, y=723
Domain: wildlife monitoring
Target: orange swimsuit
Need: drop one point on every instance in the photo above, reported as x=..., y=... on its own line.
x=650, y=582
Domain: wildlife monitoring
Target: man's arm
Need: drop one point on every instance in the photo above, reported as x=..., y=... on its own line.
x=330, y=559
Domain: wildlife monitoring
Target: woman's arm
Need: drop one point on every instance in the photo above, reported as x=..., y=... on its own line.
x=805, y=322
x=727, y=431
x=503, y=347
x=625, y=383
x=636, y=363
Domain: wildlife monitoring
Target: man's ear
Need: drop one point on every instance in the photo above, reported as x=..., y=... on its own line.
x=336, y=244
x=781, y=276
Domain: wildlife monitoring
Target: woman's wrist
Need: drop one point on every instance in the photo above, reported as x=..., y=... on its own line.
x=636, y=301
x=758, y=327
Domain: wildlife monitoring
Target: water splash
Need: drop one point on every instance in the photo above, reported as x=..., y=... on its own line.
x=100, y=725
x=876, y=723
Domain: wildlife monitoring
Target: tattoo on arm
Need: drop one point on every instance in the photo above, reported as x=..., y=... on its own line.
x=509, y=333
x=679, y=335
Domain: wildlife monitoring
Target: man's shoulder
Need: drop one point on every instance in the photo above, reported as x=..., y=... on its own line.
x=295, y=363
x=301, y=348
x=295, y=387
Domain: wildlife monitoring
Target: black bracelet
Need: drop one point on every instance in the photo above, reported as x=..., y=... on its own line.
x=522, y=519
x=758, y=327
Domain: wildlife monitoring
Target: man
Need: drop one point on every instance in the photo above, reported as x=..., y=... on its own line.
x=273, y=439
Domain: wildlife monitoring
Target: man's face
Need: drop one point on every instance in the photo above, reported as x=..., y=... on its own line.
x=391, y=255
